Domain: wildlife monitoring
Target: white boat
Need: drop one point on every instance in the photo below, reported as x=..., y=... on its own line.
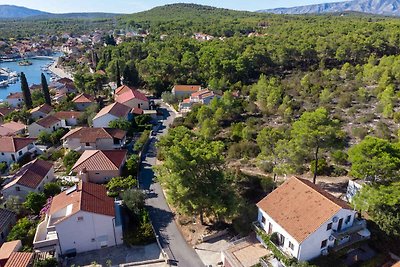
x=3, y=84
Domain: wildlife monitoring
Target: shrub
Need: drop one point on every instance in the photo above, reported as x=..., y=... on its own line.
x=322, y=168
x=360, y=132
x=338, y=171
x=139, y=144
x=51, y=189
x=51, y=262
x=244, y=149
x=119, y=184
x=339, y=157
x=132, y=164
x=134, y=200
x=23, y=230
x=69, y=160
x=3, y=167
x=34, y=202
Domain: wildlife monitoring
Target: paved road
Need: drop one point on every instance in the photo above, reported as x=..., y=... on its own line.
x=171, y=238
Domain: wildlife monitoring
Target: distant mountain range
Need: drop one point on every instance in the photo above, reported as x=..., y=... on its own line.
x=17, y=12
x=379, y=7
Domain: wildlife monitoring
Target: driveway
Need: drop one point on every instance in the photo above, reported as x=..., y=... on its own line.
x=170, y=237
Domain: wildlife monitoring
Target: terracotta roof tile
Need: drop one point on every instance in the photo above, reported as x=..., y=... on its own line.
x=31, y=174
x=67, y=114
x=43, y=108
x=91, y=135
x=137, y=111
x=100, y=160
x=129, y=95
x=8, y=248
x=48, y=121
x=83, y=98
x=5, y=217
x=87, y=197
x=14, y=126
x=14, y=144
x=20, y=259
x=116, y=109
x=300, y=207
x=122, y=89
x=187, y=88
x=5, y=111
x=15, y=95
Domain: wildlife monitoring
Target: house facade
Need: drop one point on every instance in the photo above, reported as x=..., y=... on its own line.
x=203, y=97
x=14, y=148
x=308, y=221
x=15, y=100
x=185, y=90
x=111, y=113
x=99, y=166
x=41, y=111
x=7, y=221
x=85, y=138
x=83, y=101
x=131, y=98
x=69, y=117
x=82, y=218
x=30, y=178
x=48, y=124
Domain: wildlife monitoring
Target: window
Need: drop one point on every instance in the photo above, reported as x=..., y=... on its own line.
x=97, y=173
x=329, y=227
x=17, y=188
x=80, y=219
x=2, y=235
x=20, y=153
x=2, y=153
x=93, y=239
x=348, y=219
x=87, y=144
x=281, y=240
x=263, y=219
x=291, y=246
x=324, y=243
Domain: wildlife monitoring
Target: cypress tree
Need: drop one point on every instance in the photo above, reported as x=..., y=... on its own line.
x=118, y=74
x=25, y=91
x=45, y=90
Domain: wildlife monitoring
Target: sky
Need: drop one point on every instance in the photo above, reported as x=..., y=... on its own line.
x=133, y=6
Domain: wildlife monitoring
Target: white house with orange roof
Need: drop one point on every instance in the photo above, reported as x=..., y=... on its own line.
x=99, y=166
x=83, y=101
x=308, y=221
x=82, y=218
x=48, y=124
x=15, y=100
x=30, y=178
x=131, y=97
x=204, y=97
x=41, y=111
x=14, y=148
x=111, y=113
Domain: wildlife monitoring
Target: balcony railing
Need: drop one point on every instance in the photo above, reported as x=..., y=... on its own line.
x=358, y=225
x=43, y=238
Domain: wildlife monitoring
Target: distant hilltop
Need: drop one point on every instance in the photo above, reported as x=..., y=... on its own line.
x=18, y=12
x=378, y=7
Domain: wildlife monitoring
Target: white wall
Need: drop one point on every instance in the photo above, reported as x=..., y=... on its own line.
x=38, y=115
x=311, y=247
x=35, y=129
x=15, y=102
x=85, y=235
x=137, y=103
x=104, y=120
x=7, y=156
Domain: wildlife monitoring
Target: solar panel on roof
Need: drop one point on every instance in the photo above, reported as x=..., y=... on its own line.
x=70, y=190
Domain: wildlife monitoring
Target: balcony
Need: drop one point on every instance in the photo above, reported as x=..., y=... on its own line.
x=357, y=226
x=45, y=240
x=349, y=236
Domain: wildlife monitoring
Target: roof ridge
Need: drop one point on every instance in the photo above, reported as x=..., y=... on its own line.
x=313, y=187
x=88, y=151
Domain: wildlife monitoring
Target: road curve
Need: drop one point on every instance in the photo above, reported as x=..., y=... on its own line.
x=171, y=239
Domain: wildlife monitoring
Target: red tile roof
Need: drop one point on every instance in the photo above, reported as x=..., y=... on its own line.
x=122, y=89
x=48, y=121
x=5, y=111
x=87, y=197
x=14, y=144
x=15, y=95
x=100, y=160
x=8, y=248
x=187, y=88
x=67, y=114
x=129, y=95
x=20, y=259
x=116, y=109
x=137, y=111
x=43, y=108
x=83, y=98
x=31, y=174
x=65, y=80
x=300, y=207
x=91, y=135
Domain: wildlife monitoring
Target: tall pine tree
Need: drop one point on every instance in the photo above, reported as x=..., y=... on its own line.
x=45, y=89
x=25, y=91
x=118, y=74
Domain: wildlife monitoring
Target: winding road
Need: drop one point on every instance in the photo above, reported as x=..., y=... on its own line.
x=171, y=240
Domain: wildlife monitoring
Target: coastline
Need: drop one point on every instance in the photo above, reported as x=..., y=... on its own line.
x=61, y=73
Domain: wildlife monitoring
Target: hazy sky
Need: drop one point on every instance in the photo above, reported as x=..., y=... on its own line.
x=132, y=6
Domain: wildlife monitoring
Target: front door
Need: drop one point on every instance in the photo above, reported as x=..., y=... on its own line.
x=339, y=227
x=270, y=228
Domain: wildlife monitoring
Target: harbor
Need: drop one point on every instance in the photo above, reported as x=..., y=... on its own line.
x=10, y=71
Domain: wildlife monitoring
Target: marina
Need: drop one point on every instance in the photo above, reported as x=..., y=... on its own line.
x=10, y=71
